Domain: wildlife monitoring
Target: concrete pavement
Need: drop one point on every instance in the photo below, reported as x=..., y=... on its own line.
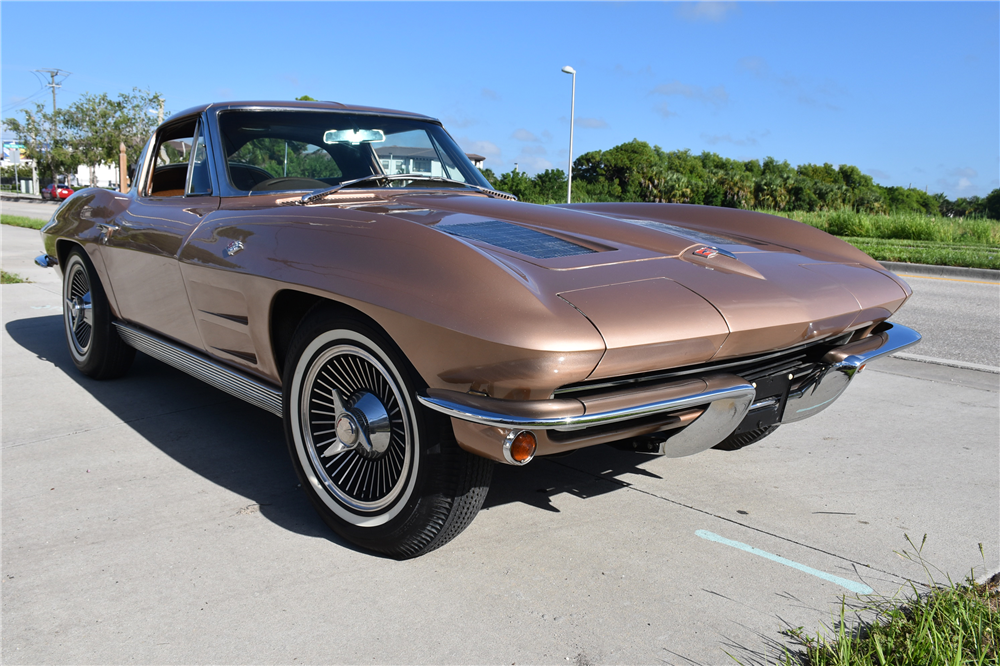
x=154, y=519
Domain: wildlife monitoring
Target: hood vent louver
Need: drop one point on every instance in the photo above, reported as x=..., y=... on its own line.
x=683, y=232
x=516, y=238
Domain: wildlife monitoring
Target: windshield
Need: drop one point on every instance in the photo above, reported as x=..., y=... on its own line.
x=270, y=151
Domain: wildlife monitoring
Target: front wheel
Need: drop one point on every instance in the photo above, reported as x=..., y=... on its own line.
x=93, y=341
x=381, y=471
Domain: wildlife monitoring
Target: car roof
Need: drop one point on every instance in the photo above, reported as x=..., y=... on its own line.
x=316, y=106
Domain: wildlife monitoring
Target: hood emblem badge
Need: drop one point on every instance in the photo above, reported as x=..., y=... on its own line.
x=234, y=247
x=710, y=252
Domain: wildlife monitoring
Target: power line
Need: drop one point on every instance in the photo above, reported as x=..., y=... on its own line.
x=53, y=73
x=23, y=102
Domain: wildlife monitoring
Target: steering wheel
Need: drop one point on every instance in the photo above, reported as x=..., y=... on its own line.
x=289, y=183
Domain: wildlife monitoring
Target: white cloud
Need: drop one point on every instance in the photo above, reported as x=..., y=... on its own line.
x=964, y=172
x=955, y=184
x=484, y=148
x=713, y=139
x=710, y=11
x=805, y=92
x=533, y=164
x=591, y=123
x=716, y=95
x=534, y=150
x=455, y=122
x=622, y=71
x=524, y=135
x=490, y=94
x=753, y=64
x=879, y=175
x=664, y=110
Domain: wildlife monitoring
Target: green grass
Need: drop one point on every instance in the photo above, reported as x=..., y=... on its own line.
x=10, y=278
x=942, y=624
x=18, y=221
x=911, y=237
x=929, y=252
x=903, y=226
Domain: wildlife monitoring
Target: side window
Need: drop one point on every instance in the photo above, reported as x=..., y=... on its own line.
x=199, y=178
x=174, y=148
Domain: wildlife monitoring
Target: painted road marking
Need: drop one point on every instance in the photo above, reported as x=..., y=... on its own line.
x=934, y=277
x=857, y=588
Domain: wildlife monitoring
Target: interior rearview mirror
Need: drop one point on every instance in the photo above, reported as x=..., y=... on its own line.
x=354, y=137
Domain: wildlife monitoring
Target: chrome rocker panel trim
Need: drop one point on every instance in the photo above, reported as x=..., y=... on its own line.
x=819, y=390
x=210, y=372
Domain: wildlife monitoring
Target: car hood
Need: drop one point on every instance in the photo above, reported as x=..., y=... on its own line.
x=670, y=285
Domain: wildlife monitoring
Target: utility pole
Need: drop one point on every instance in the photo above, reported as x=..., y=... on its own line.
x=53, y=73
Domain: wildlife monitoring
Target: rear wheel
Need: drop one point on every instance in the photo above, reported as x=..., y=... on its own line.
x=381, y=471
x=93, y=341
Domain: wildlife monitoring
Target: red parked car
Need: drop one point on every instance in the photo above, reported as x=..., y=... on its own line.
x=56, y=191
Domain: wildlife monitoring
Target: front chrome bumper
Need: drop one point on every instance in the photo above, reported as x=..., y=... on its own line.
x=820, y=389
x=725, y=399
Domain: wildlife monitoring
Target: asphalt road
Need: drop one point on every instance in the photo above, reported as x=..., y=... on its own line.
x=959, y=318
x=154, y=519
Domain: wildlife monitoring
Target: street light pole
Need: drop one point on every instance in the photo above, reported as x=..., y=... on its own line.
x=572, y=111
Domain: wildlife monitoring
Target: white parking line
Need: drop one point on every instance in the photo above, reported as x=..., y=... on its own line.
x=858, y=588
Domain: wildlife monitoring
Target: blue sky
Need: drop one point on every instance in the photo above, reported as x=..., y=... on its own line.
x=908, y=92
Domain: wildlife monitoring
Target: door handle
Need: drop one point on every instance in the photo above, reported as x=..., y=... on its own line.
x=107, y=228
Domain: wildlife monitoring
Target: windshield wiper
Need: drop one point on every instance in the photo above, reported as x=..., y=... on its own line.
x=317, y=196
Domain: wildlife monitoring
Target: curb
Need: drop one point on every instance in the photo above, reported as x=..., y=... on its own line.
x=943, y=361
x=942, y=271
x=6, y=196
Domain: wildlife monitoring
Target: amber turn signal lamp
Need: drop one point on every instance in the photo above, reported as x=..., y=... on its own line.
x=519, y=447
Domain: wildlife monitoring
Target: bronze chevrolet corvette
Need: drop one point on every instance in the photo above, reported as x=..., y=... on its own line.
x=348, y=269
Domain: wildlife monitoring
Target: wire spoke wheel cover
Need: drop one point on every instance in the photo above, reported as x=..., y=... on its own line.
x=78, y=308
x=353, y=428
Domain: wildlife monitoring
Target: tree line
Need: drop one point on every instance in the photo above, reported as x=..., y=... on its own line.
x=638, y=172
x=88, y=132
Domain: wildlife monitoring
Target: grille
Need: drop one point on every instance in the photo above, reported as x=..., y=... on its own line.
x=796, y=361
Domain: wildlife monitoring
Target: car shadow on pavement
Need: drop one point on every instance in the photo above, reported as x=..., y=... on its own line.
x=229, y=442
x=242, y=448
x=586, y=473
